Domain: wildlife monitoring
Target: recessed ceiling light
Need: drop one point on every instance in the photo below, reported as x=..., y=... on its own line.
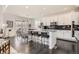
x=6, y=6
x=27, y=7
x=44, y=8
x=65, y=8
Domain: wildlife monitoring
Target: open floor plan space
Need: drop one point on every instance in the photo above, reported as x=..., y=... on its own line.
x=39, y=29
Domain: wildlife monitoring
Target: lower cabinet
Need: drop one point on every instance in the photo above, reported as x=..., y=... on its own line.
x=68, y=46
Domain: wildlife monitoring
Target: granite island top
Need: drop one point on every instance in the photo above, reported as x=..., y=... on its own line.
x=67, y=39
x=44, y=30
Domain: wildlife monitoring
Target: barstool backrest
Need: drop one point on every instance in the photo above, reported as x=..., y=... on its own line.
x=44, y=34
x=36, y=33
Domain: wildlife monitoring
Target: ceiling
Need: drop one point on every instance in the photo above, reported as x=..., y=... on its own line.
x=35, y=10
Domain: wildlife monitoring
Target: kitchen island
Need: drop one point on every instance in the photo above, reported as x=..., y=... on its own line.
x=45, y=37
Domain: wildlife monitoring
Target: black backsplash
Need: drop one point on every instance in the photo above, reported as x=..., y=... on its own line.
x=76, y=27
x=63, y=27
x=67, y=27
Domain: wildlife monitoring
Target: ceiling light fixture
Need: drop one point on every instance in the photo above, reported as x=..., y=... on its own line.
x=44, y=8
x=27, y=7
x=65, y=8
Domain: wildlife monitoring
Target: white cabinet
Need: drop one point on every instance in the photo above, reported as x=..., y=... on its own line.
x=77, y=34
x=60, y=20
x=67, y=34
x=60, y=33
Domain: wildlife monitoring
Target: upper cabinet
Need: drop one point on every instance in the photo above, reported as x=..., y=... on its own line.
x=62, y=19
x=76, y=17
x=65, y=19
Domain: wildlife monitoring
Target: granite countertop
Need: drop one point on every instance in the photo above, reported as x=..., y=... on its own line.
x=67, y=39
x=44, y=30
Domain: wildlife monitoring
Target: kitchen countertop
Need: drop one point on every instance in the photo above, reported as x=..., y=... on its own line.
x=44, y=30
x=67, y=39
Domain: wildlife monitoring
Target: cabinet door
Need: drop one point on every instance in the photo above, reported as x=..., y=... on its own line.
x=67, y=34
x=77, y=34
x=67, y=19
x=60, y=20
x=60, y=33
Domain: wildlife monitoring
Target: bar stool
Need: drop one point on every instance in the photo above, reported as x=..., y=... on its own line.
x=47, y=40
x=32, y=38
x=43, y=35
x=26, y=39
x=36, y=38
x=30, y=35
x=39, y=38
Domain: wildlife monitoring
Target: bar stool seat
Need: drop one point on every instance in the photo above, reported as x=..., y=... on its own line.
x=35, y=33
x=35, y=36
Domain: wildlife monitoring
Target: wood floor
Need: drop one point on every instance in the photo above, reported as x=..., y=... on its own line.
x=36, y=48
